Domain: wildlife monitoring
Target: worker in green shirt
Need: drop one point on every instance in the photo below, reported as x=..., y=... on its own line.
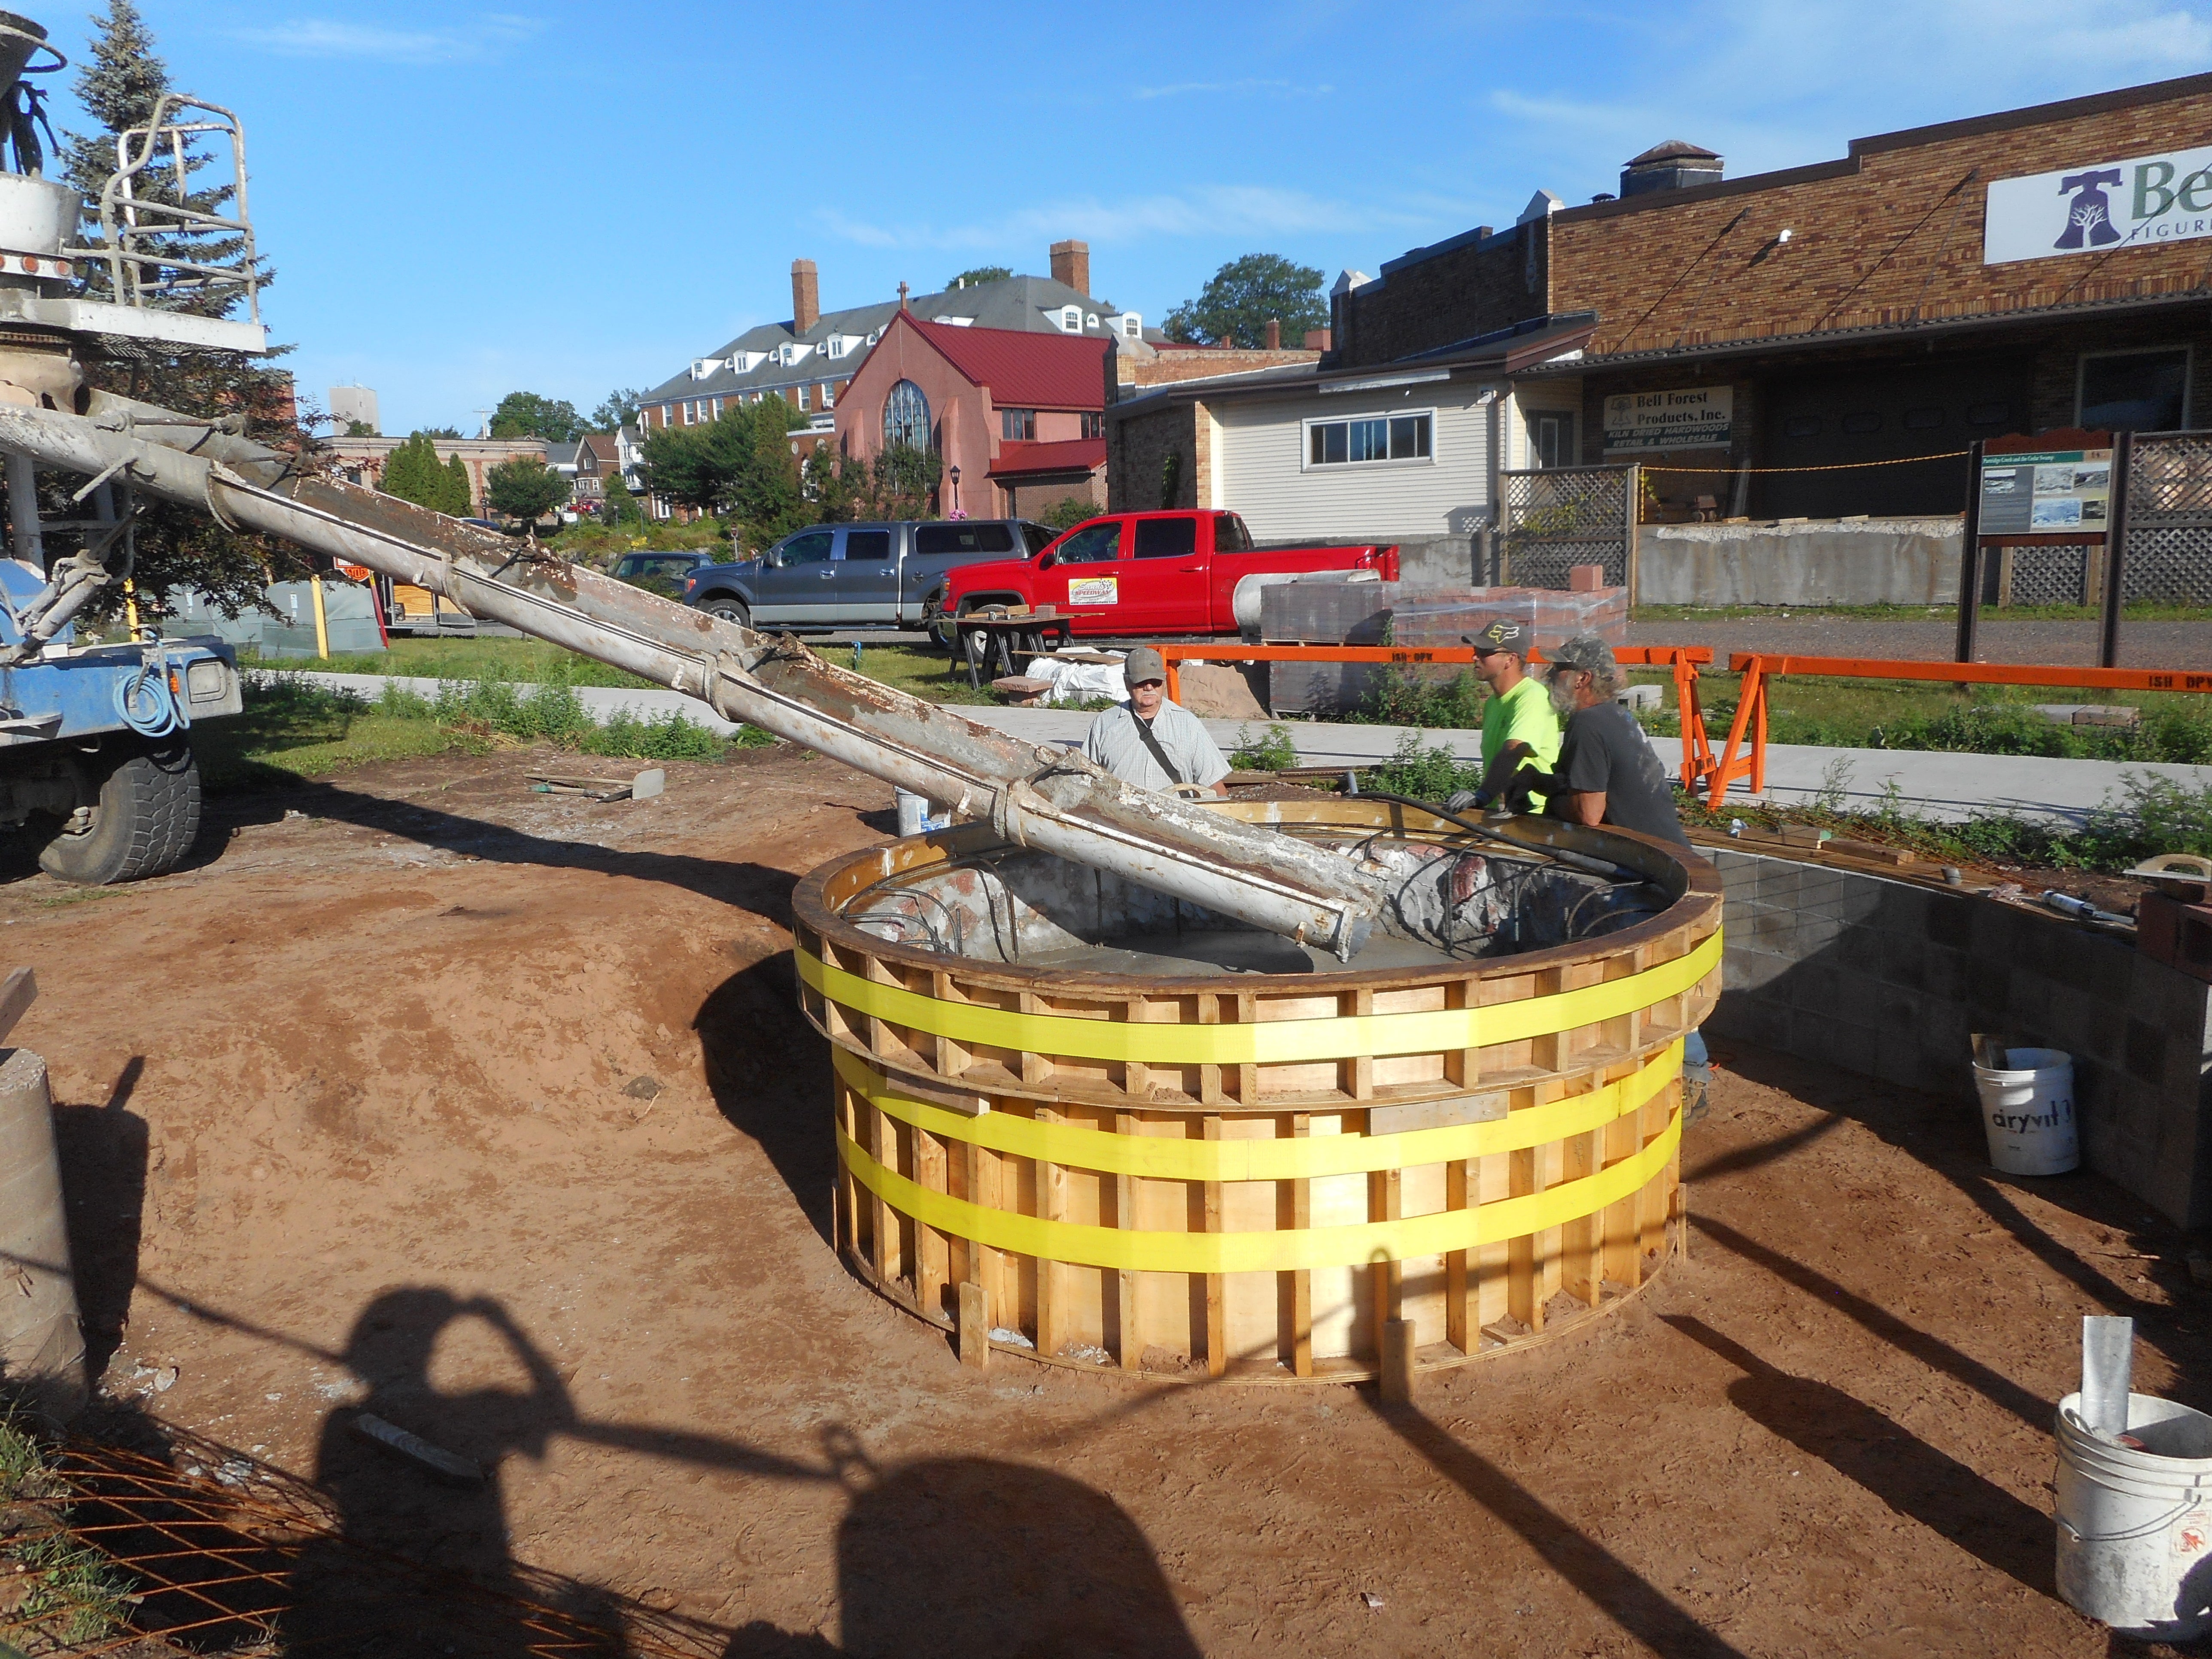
x=1519, y=712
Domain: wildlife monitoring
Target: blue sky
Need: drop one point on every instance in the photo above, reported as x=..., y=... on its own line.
x=567, y=197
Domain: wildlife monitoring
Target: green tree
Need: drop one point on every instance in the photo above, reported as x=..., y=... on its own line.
x=1243, y=294
x=680, y=469
x=360, y=429
x=121, y=79
x=617, y=409
x=526, y=414
x=524, y=489
x=449, y=432
x=621, y=506
x=980, y=274
x=413, y=473
x=904, y=480
x=458, y=499
x=1069, y=512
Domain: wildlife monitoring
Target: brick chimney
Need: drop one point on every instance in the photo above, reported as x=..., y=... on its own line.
x=1071, y=263
x=1274, y=334
x=806, y=296
x=1317, y=339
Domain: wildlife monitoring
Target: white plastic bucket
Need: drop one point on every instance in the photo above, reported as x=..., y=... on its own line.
x=914, y=816
x=2028, y=1110
x=2135, y=1528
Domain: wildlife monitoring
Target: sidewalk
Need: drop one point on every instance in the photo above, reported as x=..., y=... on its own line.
x=1946, y=787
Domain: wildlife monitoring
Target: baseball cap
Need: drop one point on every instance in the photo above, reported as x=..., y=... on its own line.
x=1143, y=664
x=1586, y=652
x=1501, y=634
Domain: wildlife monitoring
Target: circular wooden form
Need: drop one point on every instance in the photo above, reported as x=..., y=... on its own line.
x=1246, y=1177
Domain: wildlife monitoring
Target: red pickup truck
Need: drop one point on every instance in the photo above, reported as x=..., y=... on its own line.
x=1140, y=574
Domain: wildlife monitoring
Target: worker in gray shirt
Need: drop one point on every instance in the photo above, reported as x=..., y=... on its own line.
x=1151, y=742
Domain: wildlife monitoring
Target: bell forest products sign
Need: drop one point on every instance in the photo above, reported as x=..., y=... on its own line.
x=1692, y=417
x=2046, y=493
x=2103, y=205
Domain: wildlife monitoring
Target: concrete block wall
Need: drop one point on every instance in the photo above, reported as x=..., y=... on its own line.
x=1890, y=979
x=1823, y=561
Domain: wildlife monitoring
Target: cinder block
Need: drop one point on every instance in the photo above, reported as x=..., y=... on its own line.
x=1743, y=969
x=1951, y=920
x=1904, y=907
x=1781, y=882
x=1815, y=986
x=1747, y=1018
x=2146, y=1051
x=1988, y=989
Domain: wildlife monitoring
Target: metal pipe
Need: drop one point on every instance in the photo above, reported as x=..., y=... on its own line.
x=1051, y=799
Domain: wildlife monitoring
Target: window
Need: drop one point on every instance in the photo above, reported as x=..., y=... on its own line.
x=970, y=537
x=829, y=395
x=1094, y=423
x=1133, y=325
x=718, y=409
x=1988, y=414
x=808, y=547
x=1923, y=420
x=906, y=416
x=2135, y=390
x=1097, y=543
x=1802, y=426
x=802, y=397
x=1017, y=425
x=1071, y=319
x=1167, y=539
x=1371, y=438
x=1865, y=420
x=1039, y=536
x=1229, y=535
x=1550, y=437
x=867, y=544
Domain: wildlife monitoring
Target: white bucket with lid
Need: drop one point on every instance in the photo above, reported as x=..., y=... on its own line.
x=918, y=814
x=2028, y=1110
x=2135, y=1526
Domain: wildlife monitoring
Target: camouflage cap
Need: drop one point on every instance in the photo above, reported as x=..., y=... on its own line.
x=1586, y=652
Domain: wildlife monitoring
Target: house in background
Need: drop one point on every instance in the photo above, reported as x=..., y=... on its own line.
x=360, y=460
x=1020, y=417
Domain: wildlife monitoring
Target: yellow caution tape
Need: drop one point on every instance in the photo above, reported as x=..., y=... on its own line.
x=1277, y=1251
x=1161, y=1158
x=1263, y=1043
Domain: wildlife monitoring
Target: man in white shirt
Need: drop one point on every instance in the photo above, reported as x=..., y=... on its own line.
x=1151, y=742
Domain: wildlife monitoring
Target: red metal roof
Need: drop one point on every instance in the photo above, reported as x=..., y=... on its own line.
x=1066, y=455
x=1024, y=370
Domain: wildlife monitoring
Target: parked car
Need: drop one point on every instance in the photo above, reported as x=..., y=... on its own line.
x=1144, y=574
x=857, y=575
x=661, y=572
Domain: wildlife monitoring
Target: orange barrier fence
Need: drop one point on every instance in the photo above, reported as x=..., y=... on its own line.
x=1744, y=755
x=1684, y=660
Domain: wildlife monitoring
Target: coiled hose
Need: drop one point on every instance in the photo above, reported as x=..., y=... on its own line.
x=147, y=704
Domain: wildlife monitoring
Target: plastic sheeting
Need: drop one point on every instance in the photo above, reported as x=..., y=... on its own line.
x=1075, y=677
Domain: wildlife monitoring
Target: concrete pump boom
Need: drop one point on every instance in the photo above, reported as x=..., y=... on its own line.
x=1051, y=799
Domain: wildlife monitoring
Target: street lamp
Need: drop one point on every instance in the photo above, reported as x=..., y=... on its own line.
x=956, y=489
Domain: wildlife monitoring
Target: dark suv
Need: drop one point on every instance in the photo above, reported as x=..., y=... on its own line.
x=857, y=575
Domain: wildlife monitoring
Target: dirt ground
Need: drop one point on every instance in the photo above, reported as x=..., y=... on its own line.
x=491, y=1113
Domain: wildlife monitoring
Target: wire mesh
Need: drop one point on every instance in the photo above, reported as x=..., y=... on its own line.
x=205, y=1550
x=2051, y=575
x=1560, y=516
x=2169, y=556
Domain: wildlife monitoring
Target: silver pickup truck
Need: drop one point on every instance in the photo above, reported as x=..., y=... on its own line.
x=857, y=575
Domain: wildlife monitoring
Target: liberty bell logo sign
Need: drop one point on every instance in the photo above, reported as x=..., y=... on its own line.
x=2090, y=214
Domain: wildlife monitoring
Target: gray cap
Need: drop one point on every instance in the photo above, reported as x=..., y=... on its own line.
x=1143, y=664
x=1586, y=652
x=1502, y=633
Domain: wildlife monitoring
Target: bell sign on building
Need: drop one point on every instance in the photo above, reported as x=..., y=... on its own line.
x=2107, y=204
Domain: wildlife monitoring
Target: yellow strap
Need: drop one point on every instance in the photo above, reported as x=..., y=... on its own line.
x=1263, y=1043
x=1263, y=1252
x=1163, y=1158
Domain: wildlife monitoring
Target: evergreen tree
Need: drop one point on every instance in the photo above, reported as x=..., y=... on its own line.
x=622, y=505
x=119, y=83
x=524, y=489
x=410, y=471
x=458, y=501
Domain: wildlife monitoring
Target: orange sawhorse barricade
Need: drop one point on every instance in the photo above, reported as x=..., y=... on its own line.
x=1744, y=753
x=1698, y=762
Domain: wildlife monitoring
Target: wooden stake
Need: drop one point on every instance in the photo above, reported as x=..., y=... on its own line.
x=1397, y=1368
x=974, y=1326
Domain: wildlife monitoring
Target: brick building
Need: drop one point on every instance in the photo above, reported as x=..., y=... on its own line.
x=1018, y=414
x=2037, y=267
x=360, y=460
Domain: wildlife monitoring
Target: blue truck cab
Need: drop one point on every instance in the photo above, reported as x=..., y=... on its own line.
x=96, y=743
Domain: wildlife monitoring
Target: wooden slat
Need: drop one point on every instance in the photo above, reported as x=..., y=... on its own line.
x=1136, y=1075
x=1387, y=1279
x=1052, y=1284
x=1132, y=1354
x=883, y=1248
x=1583, y=1239
x=1217, y=1310
x=1301, y=1278
x=933, y=1251
x=1460, y=1176
x=1624, y=1260
x=1248, y=1076
x=1524, y=1269
x=1493, y=1181
x=1036, y=1068
x=1209, y=1077
x=1358, y=1077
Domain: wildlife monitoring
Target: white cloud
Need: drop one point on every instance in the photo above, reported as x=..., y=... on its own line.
x=324, y=37
x=1278, y=88
x=1211, y=211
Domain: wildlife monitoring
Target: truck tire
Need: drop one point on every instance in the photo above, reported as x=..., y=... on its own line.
x=729, y=610
x=938, y=626
x=144, y=812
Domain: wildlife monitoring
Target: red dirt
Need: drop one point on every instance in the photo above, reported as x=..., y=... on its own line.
x=347, y=1121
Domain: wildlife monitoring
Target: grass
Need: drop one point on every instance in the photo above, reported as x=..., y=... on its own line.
x=916, y=669
x=76, y=1594
x=529, y=661
x=293, y=729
